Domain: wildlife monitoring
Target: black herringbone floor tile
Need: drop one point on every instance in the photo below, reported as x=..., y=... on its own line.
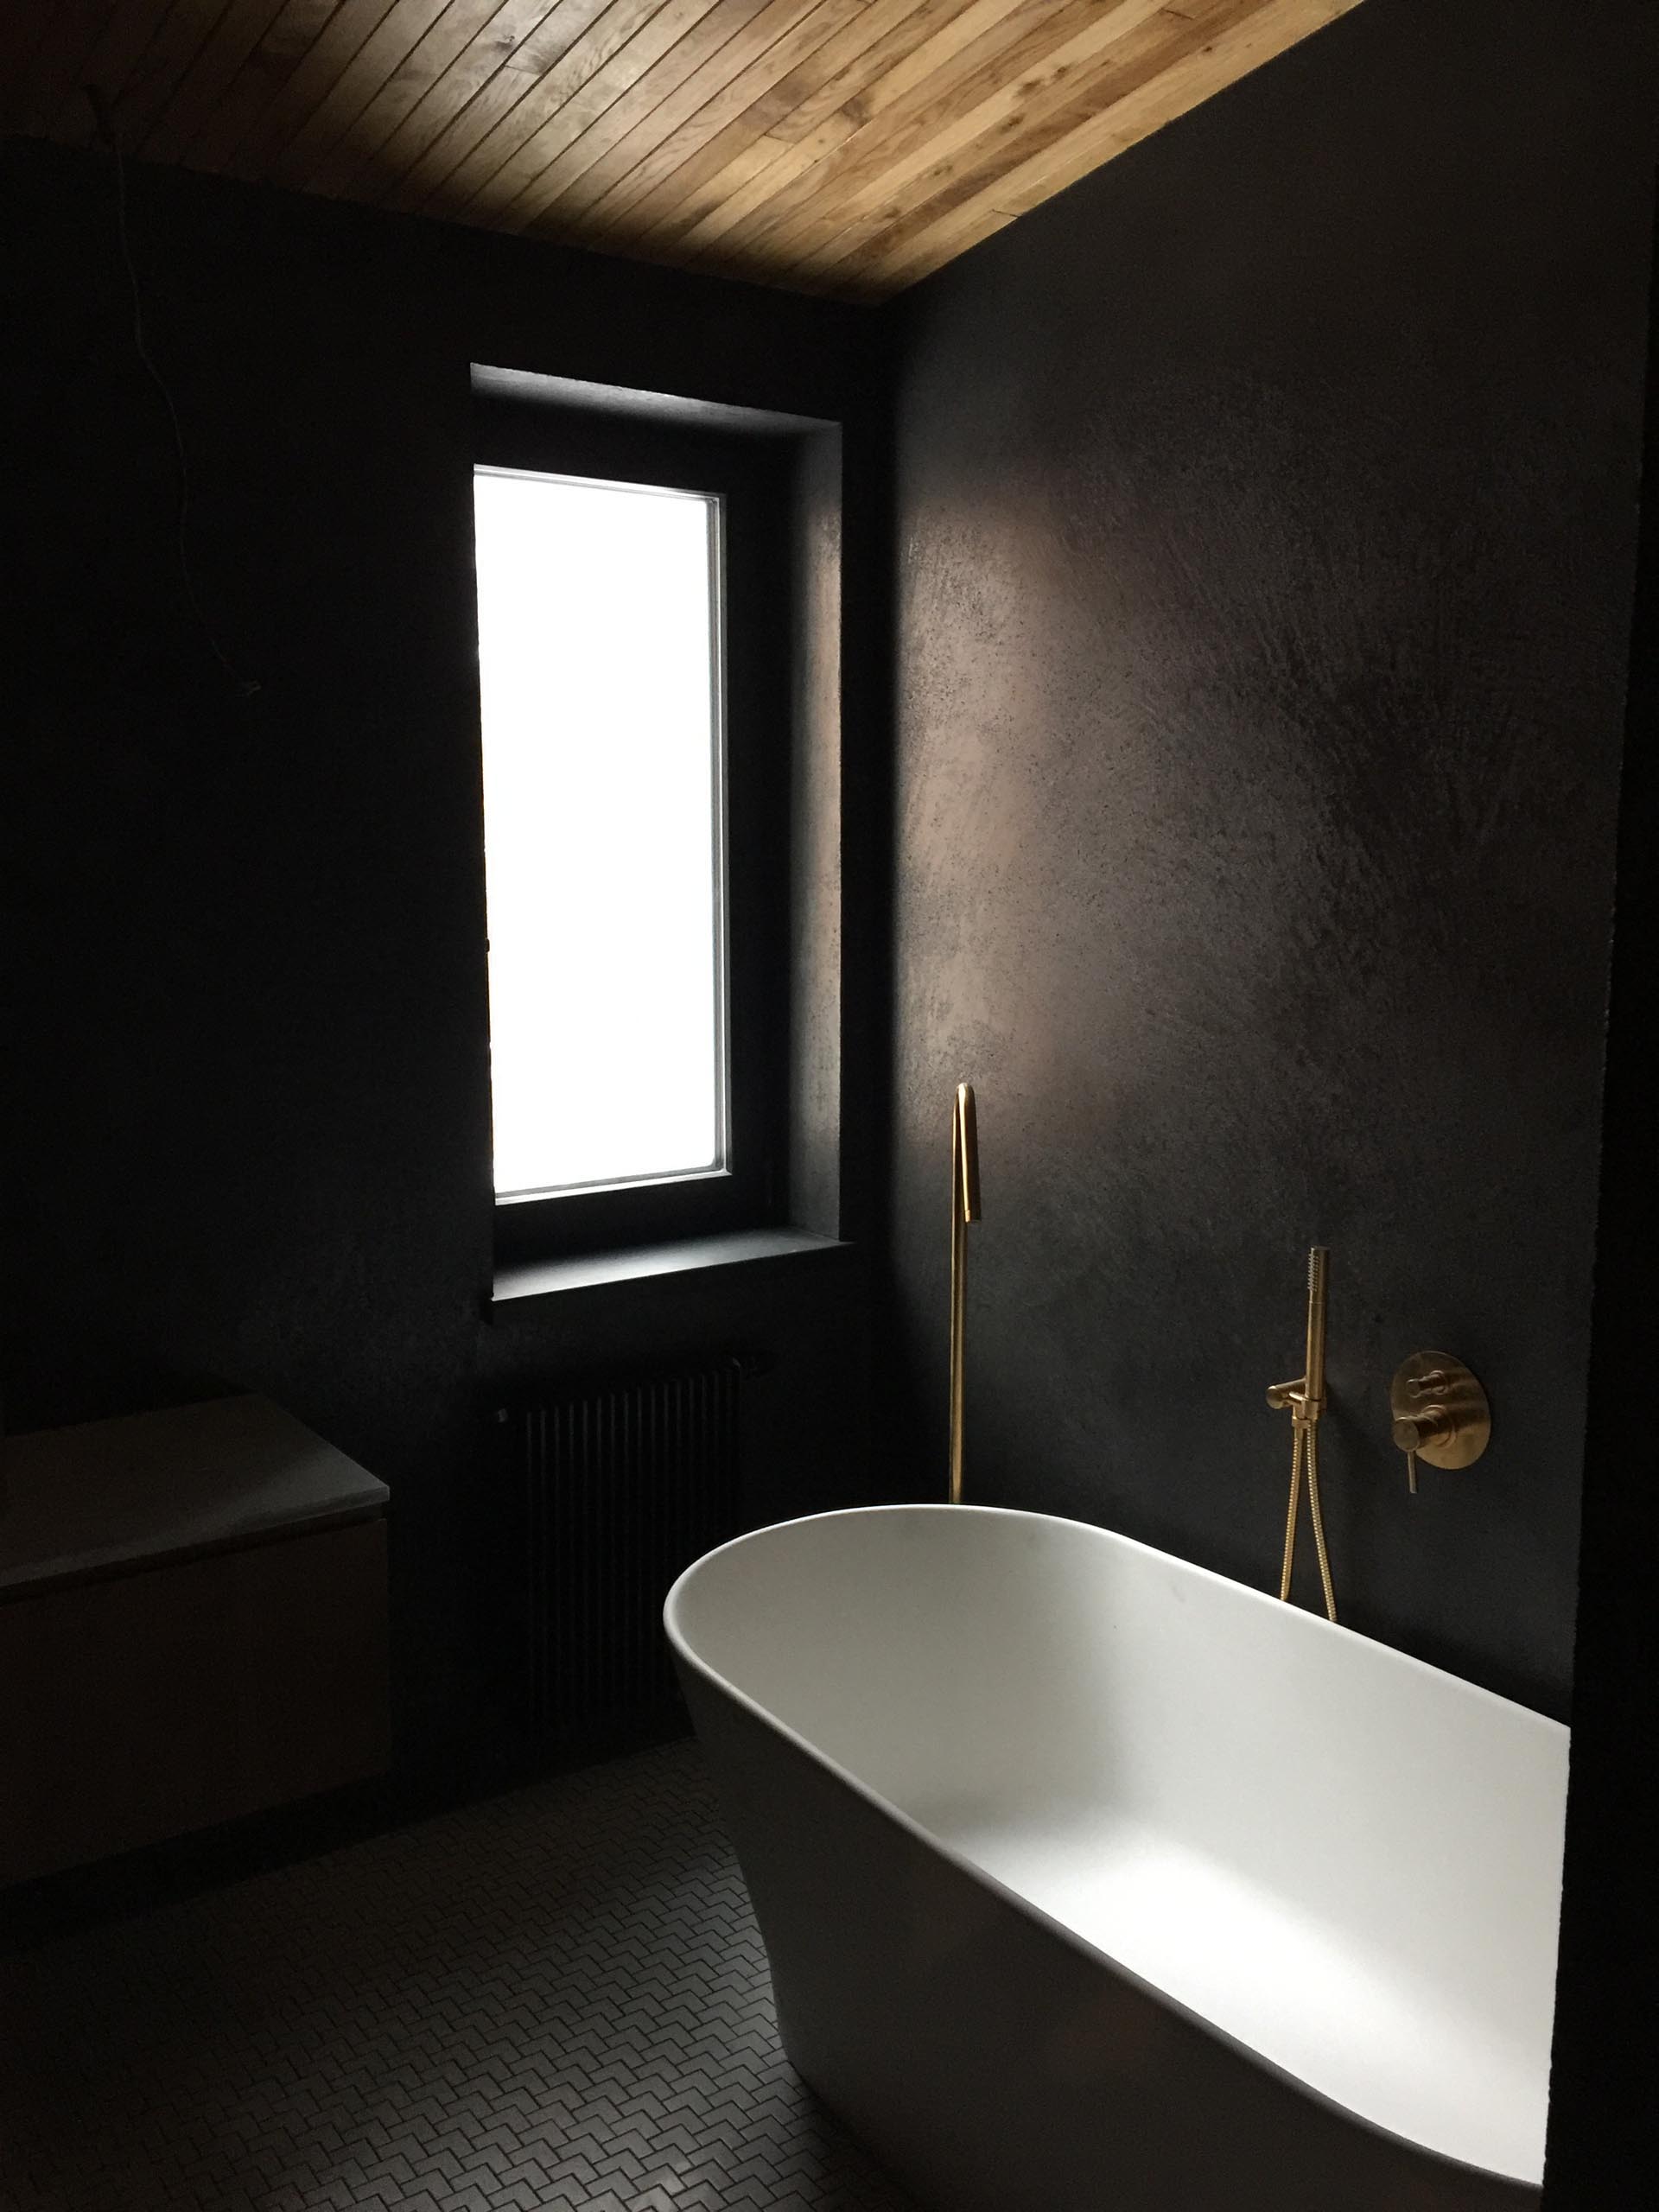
x=555, y=2002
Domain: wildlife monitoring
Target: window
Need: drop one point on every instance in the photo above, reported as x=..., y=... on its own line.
x=601, y=691
x=633, y=644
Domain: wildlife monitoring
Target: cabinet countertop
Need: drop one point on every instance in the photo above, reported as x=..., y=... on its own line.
x=107, y=1496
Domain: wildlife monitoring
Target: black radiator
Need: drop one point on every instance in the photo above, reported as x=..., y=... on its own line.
x=609, y=1490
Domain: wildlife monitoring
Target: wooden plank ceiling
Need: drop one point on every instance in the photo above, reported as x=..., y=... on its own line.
x=846, y=146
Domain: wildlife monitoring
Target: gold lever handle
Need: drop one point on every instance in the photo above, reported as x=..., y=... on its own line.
x=1434, y=1425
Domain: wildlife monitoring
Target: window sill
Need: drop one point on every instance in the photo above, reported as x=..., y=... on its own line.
x=641, y=1263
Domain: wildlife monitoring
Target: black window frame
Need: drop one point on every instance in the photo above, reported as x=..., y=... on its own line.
x=750, y=477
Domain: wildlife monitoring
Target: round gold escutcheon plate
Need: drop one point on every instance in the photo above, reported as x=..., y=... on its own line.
x=1434, y=1398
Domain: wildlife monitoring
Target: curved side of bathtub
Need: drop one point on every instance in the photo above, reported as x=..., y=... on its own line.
x=989, y=2057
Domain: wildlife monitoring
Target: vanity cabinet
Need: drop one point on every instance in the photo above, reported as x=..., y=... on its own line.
x=193, y=1626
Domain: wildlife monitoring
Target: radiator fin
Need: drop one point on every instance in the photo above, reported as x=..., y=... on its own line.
x=613, y=1489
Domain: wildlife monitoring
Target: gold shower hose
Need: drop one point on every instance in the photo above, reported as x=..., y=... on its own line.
x=1307, y=1403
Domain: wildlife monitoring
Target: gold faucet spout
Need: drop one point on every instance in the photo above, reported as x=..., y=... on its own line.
x=965, y=1150
x=964, y=1208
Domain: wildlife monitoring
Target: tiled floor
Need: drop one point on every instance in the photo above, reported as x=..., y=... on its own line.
x=558, y=1999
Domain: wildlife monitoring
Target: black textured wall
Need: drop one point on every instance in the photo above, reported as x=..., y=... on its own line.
x=1266, y=515
x=247, y=1052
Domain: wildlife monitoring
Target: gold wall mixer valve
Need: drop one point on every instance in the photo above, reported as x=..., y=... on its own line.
x=1440, y=1412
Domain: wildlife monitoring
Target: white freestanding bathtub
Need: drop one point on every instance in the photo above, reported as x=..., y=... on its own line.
x=1092, y=1882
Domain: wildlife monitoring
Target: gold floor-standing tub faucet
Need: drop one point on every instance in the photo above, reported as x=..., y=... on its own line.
x=1306, y=1399
x=964, y=1208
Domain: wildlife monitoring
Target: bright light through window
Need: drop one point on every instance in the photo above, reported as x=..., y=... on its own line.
x=598, y=627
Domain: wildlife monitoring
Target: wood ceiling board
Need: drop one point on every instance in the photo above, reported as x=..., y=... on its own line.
x=937, y=140
x=877, y=82
x=481, y=85
x=259, y=77
x=725, y=86
x=987, y=45
x=635, y=170
x=825, y=145
x=306, y=89
x=526, y=96
x=623, y=46
x=210, y=74
x=797, y=124
x=380, y=63
x=828, y=72
x=1022, y=123
x=731, y=35
x=184, y=60
x=351, y=87
x=463, y=49
x=1243, y=45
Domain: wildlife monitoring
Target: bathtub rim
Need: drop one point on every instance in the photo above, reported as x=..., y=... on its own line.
x=1310, y=1623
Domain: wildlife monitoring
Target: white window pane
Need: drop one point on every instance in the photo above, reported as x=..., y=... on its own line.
x=599, y=682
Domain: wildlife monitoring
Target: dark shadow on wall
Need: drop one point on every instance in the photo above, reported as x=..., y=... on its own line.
x=247, y=1129
x=1604, y=2137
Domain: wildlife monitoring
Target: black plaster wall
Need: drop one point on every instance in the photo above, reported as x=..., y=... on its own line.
x=247, y=1023
x=1266, y=522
